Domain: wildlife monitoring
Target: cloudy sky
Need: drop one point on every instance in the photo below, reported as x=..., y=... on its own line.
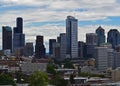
x=47, y=17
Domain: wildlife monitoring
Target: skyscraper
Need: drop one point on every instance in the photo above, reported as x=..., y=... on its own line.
x=63, y=46
x=101, y=35
x=91, y=43
x=6, y=38
x=19, y=27
x=51, y=42
x=81, y=49
x=113, y=37
x=72, y=36
x=28, y=49
x=39, y=47
x=18, y=36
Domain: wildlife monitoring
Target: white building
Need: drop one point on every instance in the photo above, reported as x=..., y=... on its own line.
x=103, y=58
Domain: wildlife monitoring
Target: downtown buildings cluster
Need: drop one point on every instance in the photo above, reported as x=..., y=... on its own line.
x=106, y=54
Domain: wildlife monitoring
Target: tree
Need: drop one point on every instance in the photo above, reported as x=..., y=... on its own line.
x=6, y=80
x=51, y=69
x=59, y=81
x=38, y=78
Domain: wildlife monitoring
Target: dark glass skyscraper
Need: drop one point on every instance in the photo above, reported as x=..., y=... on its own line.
x=6, y=38
x=19, y=27
x=113, y=37
x=100, y=35
x=18, y=36
x=39, y=48
x=51, y=42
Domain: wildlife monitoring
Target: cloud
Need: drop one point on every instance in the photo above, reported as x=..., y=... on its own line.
x=35, y=12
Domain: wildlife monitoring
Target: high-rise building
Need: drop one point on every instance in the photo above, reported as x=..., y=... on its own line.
x=91, y=39
x=51, y=42
x=39, y=47
x=6, y=38
x=91, y=43
x=72, y=36
x=63, y=46
x=18, y=40
x=113, y=37
x=101, y=35
x=56, y=51
x=18, y=36
x=81, y=49
x=103, y=58
x=19, y=27
x=28, y=49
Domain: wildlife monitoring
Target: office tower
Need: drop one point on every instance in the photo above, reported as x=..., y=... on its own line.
x=28, y=49
x=103, y=58
x=113, y=37
x=91, y=43
x=63, y=46
x=101, y=35
x=39, y=47
x=18, y=40
x=6, y=38
x=18, y=36
x=51, y=42
x=19, y=25
x=56, y=51
x=81, y=49
x=72, y=36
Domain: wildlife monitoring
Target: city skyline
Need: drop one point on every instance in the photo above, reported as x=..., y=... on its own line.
x=43, y=16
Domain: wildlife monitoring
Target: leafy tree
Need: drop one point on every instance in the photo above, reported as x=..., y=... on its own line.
x=59, y=81
x=51, y=69
x=38, y=78
x=6, y=80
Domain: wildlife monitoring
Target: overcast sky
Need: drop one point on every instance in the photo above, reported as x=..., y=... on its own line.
x=47, y=17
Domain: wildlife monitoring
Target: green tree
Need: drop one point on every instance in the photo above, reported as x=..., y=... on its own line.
x=59, y=81
x=6, y=80
x=51, y=69
x=38, y=78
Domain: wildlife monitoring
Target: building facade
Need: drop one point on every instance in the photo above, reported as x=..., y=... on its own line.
x=28, y=49
x=113, y=37
x=18, y=36
x=91, y=43
x=101, y=35
x=6, y=38
x=72, y=36
x=51, y=42
x=39, y=47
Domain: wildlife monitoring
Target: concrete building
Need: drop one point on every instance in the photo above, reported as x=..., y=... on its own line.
x=72, y=36
x=116, y=74
x=103, y=58
x=29, y=68
x=28, y=49
x=56, y=51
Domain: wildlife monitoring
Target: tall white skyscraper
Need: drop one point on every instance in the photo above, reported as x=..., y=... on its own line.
x=72, y=36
